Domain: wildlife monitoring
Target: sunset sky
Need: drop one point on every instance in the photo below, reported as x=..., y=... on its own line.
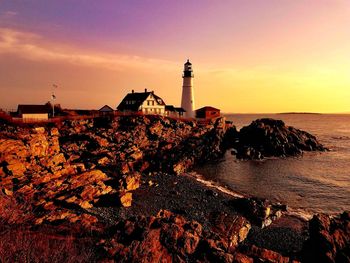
x=249, y=56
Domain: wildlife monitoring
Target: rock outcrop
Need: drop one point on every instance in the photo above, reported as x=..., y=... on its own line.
x=329, y=239
x=270, y=138
x=169, y=237
x=64, y=171
x=259, y=211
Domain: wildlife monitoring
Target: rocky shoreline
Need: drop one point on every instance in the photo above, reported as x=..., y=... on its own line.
x=121, y=185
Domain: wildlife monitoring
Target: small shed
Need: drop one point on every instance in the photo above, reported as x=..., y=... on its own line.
x=207, y=113
x=30, y=112
x=106, y=111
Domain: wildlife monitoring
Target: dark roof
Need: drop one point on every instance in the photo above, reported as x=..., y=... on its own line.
x=27, y=108
x=172, y=108
x=106, y=108
x=179, y=109
x=169, y=107
x=188, y=62
x=159, y=99
x=138, y=98
x=208, y=108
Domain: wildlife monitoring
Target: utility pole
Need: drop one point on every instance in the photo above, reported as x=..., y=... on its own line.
x=53, y=97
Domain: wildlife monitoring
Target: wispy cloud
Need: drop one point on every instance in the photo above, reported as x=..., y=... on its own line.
x=34, y=47
x=7, y=16
x=9, y=13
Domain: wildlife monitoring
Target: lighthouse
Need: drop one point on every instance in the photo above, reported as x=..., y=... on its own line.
x=187, y=101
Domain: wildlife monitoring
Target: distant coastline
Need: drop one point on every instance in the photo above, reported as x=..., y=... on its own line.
x=309, y=113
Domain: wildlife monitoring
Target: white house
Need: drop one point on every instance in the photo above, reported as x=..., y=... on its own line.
x=142, y=102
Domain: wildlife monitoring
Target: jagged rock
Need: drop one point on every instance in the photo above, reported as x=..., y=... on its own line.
x=241, y=258
x=163, y=237
x=38, y=144
x=258, y=211
x=169, y=236
x=234, y=229
x=101, y=141
x=39, y=130
x=12, y=150
x=54, y=132
x=265, y=255
x=16, y=168
x=329, y=239
x=125, y=199
x=66, y=215
x=104, y=161
x=55, y=162
x=156, y=128
x=131, y=181
x=182, y=166
x=7, y=192
x=54, y=145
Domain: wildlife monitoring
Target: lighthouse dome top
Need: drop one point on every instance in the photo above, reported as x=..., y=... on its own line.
x=188, y=62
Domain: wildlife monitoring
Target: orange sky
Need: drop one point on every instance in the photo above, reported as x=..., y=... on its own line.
x=261, y=56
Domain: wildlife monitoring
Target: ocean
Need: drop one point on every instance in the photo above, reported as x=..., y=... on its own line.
x=317, y=182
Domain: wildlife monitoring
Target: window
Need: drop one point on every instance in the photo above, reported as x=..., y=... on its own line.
x=152, y=102
x=148, y=103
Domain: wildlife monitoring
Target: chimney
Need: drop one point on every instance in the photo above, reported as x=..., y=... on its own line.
x=132, y=91
x=152, y=92
x=145, y=90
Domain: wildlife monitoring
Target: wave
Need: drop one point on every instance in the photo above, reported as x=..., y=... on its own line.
x=212, y=184
x=296, y=212
x=344, y=138
x=300, y=213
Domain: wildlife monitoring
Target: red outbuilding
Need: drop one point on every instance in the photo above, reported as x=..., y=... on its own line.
x=207, y=113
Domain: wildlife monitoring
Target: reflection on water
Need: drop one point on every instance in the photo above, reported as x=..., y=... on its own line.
x=316, y=182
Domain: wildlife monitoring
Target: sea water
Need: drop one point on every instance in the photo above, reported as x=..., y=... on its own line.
x=317, y=182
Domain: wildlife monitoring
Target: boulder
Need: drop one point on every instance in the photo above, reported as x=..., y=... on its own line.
x=154, y=239
x=55, y=162
x=125, y=199
x=269, y=137
x=38, y=145
x=233, y=228
x=11, y=149
x=131, y=181
x=329, y=239
x=259, y=211
x=265, y=255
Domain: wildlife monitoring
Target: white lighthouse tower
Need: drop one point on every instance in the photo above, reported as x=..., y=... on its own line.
x=187, y=101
